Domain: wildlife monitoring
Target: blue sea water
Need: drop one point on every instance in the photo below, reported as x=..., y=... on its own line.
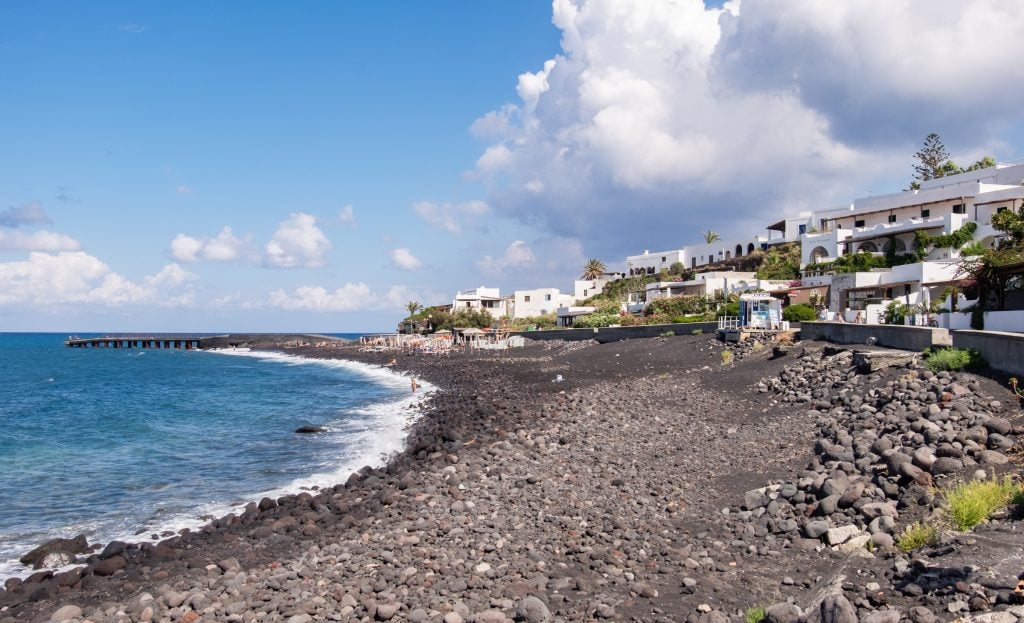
x=125, y=443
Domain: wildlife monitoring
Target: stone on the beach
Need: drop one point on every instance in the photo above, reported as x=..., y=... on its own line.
x=66, y=613
x=882, y=540
x=452, y=617
x=71, y=547
x=782, y=613
x=110, y=566
x=814, y=529
x=881, y=616
x=836, y=608
x=490, y=616
x=533, y=610
x=386, y=612
x=991, y=457
x=754, y=499
x=946, y=465
x=840, y=535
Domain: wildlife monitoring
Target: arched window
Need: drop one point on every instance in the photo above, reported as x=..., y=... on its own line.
x=901, y=247
x=818, y=254
x=728, y=255
x=739, y=250
x=868, y=246
x=750, y=248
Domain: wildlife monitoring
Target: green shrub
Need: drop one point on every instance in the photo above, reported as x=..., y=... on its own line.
x=697, y=332
x=952, y=359
x=970, y=503
x=729, y=309
x=917, y=535
x=694, y=318
x=727, y=357
x=596, y=320
x=667, y=334
x=755, y=614
x=678, y=306
x=801, y=312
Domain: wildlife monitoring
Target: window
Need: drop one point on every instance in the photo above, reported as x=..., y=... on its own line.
x=1000, y=209
x=803, y=229
x=664, y=259
x=892, y=218
x=959, y=209
x=526, y=298
x=547, y=297
x=858, y=223
x=925, y=212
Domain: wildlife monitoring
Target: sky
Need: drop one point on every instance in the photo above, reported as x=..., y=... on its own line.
x=209, y=166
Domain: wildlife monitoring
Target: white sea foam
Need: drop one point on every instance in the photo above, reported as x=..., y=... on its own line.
x=370, y=435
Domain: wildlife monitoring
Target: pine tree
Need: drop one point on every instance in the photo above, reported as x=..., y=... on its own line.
x=933, y=159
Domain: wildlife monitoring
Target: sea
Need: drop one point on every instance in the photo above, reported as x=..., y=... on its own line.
x=129, y=444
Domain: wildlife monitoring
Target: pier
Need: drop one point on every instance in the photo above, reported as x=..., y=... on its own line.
x=185, y=341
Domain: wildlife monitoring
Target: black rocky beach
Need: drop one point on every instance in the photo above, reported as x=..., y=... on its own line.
x=643, y=480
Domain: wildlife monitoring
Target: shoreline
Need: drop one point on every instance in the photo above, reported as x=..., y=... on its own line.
x=375, y=454
x=643, y=486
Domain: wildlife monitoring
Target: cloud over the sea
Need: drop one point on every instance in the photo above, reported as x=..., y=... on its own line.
x=660, y=119
x=75, y=277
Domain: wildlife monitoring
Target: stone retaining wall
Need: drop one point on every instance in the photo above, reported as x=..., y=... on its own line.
x=892, y=336
x=616, y=334
x=1002, y=351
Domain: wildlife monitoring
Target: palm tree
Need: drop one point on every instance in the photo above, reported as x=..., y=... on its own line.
x=710, y=236
x=412, y=307
x=593, y=269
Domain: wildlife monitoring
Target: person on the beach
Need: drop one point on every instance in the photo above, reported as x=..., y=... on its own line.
x=860, y=318
x=414, y=385
x=393, y=362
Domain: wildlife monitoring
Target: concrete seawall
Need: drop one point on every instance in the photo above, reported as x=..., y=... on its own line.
x=617, y=334
x=891, y=336
x=1002, y=351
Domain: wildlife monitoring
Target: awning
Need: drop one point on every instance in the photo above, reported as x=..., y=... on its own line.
x=881, y=285
x=780, y=226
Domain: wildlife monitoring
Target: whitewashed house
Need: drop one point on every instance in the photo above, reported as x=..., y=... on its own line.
x=482, y=298
x=538, y=302
x=586, y=288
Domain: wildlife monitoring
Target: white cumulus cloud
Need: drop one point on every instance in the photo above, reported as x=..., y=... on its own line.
x=297, y=242
x=347, y=215
x=517, y=255
x=41, y=240
x=357, y=296
x=73, y=277
x=659, y=119
x=224, y=247
x=404, y=259
x=449, y=216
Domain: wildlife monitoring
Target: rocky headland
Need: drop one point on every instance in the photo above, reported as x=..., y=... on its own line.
x=652, y=483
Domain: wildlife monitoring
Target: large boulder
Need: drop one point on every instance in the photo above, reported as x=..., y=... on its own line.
x=838, y=609
x=56, y=550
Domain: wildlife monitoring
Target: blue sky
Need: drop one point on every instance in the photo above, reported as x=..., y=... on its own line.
x=367, y=153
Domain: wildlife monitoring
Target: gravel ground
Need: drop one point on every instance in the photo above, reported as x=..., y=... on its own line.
x=652, y=483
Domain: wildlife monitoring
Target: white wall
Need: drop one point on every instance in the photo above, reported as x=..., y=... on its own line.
x=540, y=302
x=1010, y=321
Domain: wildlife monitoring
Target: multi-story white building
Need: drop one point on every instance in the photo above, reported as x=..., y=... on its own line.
x=586, y=288
x=940, y=206
x=707, y=284
x=487, y=299
x=538, y=302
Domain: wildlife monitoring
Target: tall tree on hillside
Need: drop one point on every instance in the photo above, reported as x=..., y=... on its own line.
x=710, y=236
x=412, y=307
x=593, y=269
x=933, y=160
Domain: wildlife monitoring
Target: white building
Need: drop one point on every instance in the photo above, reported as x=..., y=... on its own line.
x=487, y=299
x=707, y=284
x=940, y=206
x=586, y=288
x=538, y=302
